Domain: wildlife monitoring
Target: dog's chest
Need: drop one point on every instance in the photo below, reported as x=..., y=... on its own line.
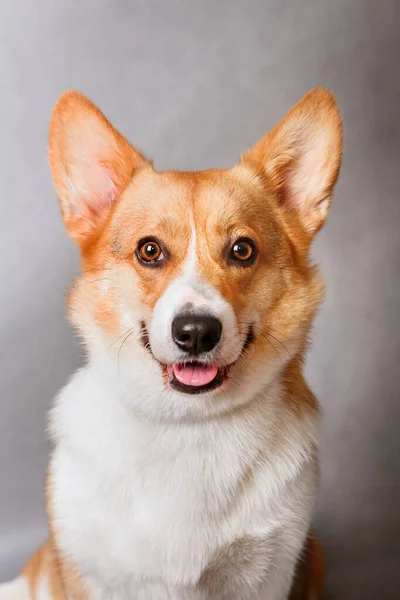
x=170, y=518
x=184, y=508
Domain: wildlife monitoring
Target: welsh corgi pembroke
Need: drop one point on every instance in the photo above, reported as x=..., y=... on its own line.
x=185, y=457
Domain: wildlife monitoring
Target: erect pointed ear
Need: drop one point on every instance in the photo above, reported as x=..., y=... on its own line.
x=301, y=158
x=91, y=163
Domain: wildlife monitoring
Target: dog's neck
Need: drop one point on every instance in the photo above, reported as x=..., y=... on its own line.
x=270, y=423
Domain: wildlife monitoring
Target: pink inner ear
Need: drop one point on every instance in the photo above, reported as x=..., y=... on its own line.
x=91, y=188
x=91, y=162
x=286, y=193
x=104, y=191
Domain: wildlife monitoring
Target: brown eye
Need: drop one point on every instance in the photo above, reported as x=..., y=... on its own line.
x=150, y=252
x=243, y=251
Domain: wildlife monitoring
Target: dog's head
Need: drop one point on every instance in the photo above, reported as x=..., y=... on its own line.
x=196, y=288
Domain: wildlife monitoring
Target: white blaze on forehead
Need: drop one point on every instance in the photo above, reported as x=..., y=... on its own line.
x=189, y=269
x=187, y=289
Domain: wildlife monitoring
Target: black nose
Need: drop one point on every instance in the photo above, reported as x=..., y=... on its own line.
x=196, y=334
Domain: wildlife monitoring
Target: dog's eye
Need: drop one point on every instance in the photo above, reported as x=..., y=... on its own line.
x=243, y=252
x=150, y=252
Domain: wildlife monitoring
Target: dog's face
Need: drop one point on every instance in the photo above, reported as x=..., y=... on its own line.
x=196, y=287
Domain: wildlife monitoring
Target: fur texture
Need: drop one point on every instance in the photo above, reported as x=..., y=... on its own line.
x=154, y=493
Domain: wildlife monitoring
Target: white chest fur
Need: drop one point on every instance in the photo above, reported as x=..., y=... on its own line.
x=217, y=509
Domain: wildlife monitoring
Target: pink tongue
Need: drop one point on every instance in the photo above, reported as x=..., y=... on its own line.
x=196, y=375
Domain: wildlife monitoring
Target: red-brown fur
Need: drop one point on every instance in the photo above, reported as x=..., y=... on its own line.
x=122, y=196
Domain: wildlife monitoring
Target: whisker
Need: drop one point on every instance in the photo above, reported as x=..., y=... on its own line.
x=122, y=343
x=95, y=270
x=121, y=336
x=86, y=282
x=267, y=335
x=279, y=342
x=272, y=346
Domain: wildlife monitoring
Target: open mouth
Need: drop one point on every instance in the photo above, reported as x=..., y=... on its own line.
x=195, y=377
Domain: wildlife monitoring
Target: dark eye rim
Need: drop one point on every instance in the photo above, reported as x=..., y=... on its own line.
x=237, y=262
x=154, y=264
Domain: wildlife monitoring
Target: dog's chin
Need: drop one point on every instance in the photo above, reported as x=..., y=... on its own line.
x=195, y=376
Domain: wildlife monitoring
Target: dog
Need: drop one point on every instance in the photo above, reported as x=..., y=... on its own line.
x=185, y=459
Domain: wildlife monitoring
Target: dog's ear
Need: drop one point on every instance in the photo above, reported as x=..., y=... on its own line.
x=91, y=164
x=301, y=158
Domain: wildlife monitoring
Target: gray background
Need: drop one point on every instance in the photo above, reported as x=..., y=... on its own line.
x=193, y=84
